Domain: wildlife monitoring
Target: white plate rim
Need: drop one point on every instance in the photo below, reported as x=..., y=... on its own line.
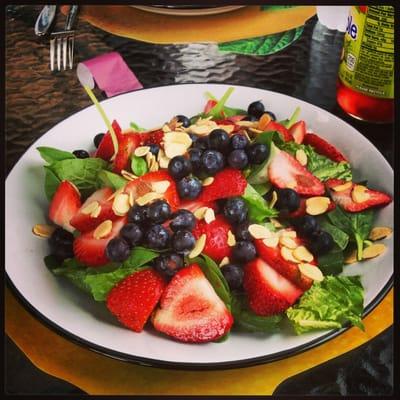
x=145, y=361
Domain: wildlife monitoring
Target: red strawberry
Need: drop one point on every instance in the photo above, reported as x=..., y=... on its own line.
x=153, y=137
x=345, y=200
x=209, y=105
x=64, y=205
x=127, y=144
x=193, y=205
x=272, y=256
x=286, y=172
x=276, y=126
x=231, y=121
x=298, y=131
x=321, y=146
x=190, y=310
x=268, y=292
x=83, y=221
x=216, y=232
x=106, y=147
x=133, y=299
x=227, y=183
x=143, y=185
x=91, y=251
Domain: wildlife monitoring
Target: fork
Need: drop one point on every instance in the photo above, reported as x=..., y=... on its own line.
x=63, y=42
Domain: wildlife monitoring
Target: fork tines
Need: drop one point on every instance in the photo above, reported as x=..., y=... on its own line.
x=62, y=42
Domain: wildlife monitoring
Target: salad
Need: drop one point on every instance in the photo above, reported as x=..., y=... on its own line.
x=226, y=220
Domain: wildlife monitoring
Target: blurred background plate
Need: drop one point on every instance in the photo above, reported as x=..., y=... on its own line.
x=188, y=11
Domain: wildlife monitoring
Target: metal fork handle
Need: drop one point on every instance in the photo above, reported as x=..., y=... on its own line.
x=71, y=17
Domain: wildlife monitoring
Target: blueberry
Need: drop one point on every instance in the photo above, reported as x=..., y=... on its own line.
x=154, y=148
x=183, y=219
x=238, y=159
x=118, y=249
x=81, y=154
x=183, y=242
x=201, y=143
x=233, y=274
x=194, y=137
x=179, y=166
x=239, y=142
x=132, y=233
x=138, y=214
x=235, y=210
x=288, y=200
x=97, y=139
x=212, y=161
x=251, y=118
x=320, y=243
x=256, y=108
x=185, y=120
x=159, y=211
x=242, y=232
x=257, y=153
x=244, y=251
x=271, y=114
x=157, y=237
x=60, y=243
x=219, y=140
x=168, y=264
x=195, y=158
x=189, y=187
x=307, y=225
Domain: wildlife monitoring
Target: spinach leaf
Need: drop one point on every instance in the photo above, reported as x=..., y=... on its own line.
x=217, y=111
x=82, y=172
x=51, y=155
x=51, y=182
x=138, y=165
x=332, y=263
x=288, y=123
x=269, y=137
x=259, y=173
x=136, y=127
x=112, y=180
x=259, y=210
x=263, y=188
x=340, y=237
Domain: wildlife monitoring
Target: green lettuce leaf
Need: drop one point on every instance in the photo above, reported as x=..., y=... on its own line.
x=138, y=165
x=112, y=180
x=259, y=210
x=329, y=304
x=136, y=127
x=51, y=154
x=332, y=263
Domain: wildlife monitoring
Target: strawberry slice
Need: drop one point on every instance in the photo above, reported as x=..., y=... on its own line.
x=290, y=270
x=133, y=299
x=106, y=147
x=345, y=198
x=85, y=219
x=227, y=183
x=321, y=146
x=276, y=126
x=268, y=292
x=126, y=145
x=216, y=233
x=190, y=310
x=285, y=171
x=91, y=251
x=298, y=131
x=209, y=105
x=153, y=137
x=140, y=186
x=64, y=205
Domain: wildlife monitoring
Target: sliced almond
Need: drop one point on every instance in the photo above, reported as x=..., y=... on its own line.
x=166, y=128
x=343, y=187
x=311, y=271
x=259, y=231
x=121, y=204
x=173, y=149
x=178, y=137
x=380, y=232
x=224, y=261
x=247, y=124
x=227, y=128
x=199, y=246
x=288, y=242
x=162, y=159
x=287, y=254
x=276, y=223
x=209, y=215
x=231, y=239
x=200, y=212
x=90, y=208
x=208, y=181
x=374, y=250
x=160, y=187
x=274, y=199
x=351, y=258
x=317, y=205
x=141, y=151
x=302, y=254
x=271, y=241
x=120, y=190
x=131, y=199
x=43, y=230
x=148, y=198
x=129, y=176
x=255, y=130
x=359, y=194
x=264, y=121
x=103, y=229
x=301, y=157
x=154, y=166
x=149, y=158
x=95, y=213
x=291, y=184
x=288, y=233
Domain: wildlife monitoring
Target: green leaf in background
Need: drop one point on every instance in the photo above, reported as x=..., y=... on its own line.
x=112, y=180
x=329, y=305
x=228, y=111
x=262, y=45
x=259, y=210
x=51, y=182
x=136, y=127
x=51, y=155
x=275, y=8
x=287, y=123
x=138, y=165
x=340, y=237
x=217, y=111
x=82, y=172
